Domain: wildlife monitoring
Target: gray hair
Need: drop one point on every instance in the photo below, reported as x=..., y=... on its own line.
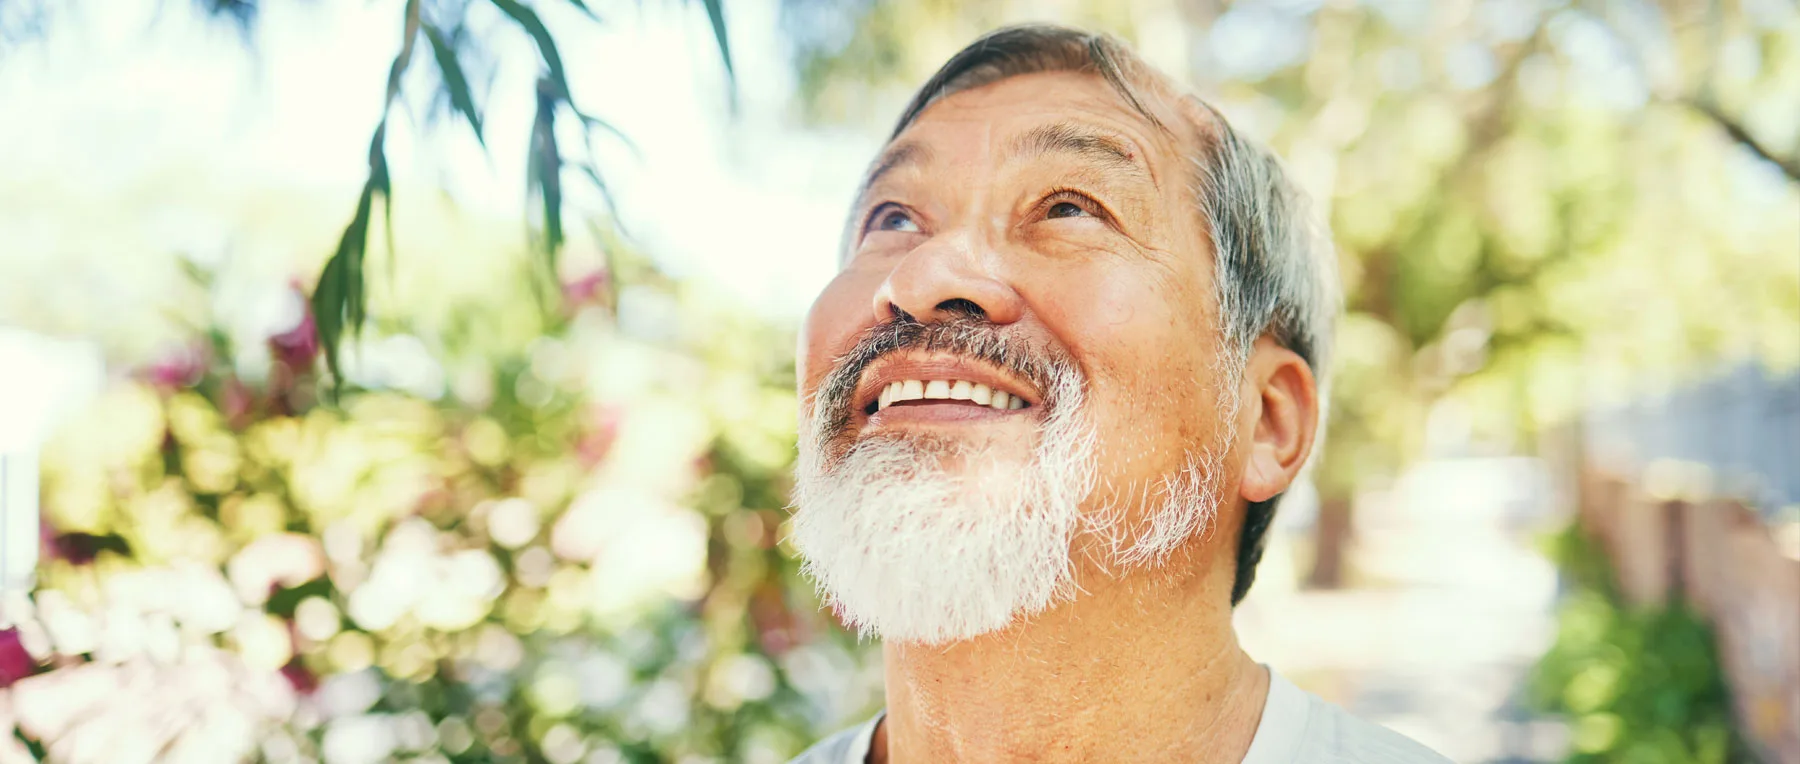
x=1273, y=272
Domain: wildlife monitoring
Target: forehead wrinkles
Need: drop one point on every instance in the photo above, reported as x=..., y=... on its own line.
x=959, y=172
x=1096, y=113
x=1101, y=134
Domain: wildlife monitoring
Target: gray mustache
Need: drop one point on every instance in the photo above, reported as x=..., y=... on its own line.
x=966, y=336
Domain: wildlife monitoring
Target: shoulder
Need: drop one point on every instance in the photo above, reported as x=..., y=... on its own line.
x=1298, y=726
x=1335, y=735
x=850, y=746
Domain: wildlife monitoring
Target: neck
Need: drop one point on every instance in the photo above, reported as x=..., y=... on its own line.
x=1143, y=667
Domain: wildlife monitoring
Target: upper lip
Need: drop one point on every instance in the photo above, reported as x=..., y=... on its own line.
x=927, y=367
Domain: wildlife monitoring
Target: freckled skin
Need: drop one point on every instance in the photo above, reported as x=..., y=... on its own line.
x=1114, y=269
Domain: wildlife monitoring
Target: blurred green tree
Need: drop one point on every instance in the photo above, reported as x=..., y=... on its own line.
x=1635, y=683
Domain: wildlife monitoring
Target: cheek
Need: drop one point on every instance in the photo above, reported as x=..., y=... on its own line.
x=841, y=312
x=1132, y=324
x=1146, y=344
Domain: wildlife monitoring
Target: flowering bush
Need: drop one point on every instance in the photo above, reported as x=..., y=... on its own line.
x=564, y=546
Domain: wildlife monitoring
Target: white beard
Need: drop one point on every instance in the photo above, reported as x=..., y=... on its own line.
x=908, y=551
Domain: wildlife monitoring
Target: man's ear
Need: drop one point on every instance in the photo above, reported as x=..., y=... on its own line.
x=1281, y=399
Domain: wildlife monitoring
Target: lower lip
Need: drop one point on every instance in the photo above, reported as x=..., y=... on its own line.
x=941, y=413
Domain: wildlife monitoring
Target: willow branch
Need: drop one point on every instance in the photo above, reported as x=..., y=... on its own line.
x=1790, y=166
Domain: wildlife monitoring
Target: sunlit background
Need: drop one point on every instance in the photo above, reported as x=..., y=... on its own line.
x=411, y=380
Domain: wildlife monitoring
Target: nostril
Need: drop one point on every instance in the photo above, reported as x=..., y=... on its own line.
x=963, y=307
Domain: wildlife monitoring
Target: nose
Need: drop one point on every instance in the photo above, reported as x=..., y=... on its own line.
x=945, y=278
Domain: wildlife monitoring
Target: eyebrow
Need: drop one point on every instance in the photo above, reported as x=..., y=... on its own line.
x=1056, y=137
x=1082, y=140
x=895, y=157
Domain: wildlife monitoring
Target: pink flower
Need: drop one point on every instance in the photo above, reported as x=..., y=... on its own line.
x=586, y=289
x=82, y=548
x=302, y=679
x=15, y=663
x=237, y=403
x=298, y=348
x=180, y=369
x=598, y=434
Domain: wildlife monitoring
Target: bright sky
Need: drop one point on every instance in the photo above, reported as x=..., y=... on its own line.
x=120, y=135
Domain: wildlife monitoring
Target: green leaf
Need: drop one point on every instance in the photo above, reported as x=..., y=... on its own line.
x=383, y=184
x=285, y=600
x=612, y=209
x=454, y=80
x=351, y=248
x=593, y=123
x=241, y=13
x=534, y=26
x=544, y=171
x=715, y=12
x=583, y=6
x=200, y=275
x=404, y=58
x=329, y=298
x=339, y=301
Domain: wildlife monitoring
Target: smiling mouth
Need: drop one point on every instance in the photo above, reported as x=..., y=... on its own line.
x=959, y=392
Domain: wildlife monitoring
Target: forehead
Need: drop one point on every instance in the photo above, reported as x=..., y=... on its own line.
x=1003, y=110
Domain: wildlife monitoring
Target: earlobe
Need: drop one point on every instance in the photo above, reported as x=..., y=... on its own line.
x=1263, y=478
x=1286, y=419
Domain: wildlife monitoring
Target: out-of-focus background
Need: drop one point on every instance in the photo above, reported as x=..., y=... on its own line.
x=411, y=380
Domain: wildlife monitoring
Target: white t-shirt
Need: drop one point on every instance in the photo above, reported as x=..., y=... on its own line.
x=1297, y=727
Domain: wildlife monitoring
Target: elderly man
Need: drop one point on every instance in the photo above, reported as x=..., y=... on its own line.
x=1071, y=361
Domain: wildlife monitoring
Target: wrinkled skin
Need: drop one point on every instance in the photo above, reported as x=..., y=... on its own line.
x=1100, y=256
x=1047, y=205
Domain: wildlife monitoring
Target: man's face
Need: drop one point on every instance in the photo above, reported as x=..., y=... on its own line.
x=1037, y=238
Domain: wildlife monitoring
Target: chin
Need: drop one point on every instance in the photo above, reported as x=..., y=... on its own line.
x=930, y=538
x=971, y=456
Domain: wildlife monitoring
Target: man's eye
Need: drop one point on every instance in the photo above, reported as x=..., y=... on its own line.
x=1066, y=210
x=894, y=220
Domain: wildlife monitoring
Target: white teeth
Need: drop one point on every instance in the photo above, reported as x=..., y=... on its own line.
x=911, y=390
x=945, y=389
